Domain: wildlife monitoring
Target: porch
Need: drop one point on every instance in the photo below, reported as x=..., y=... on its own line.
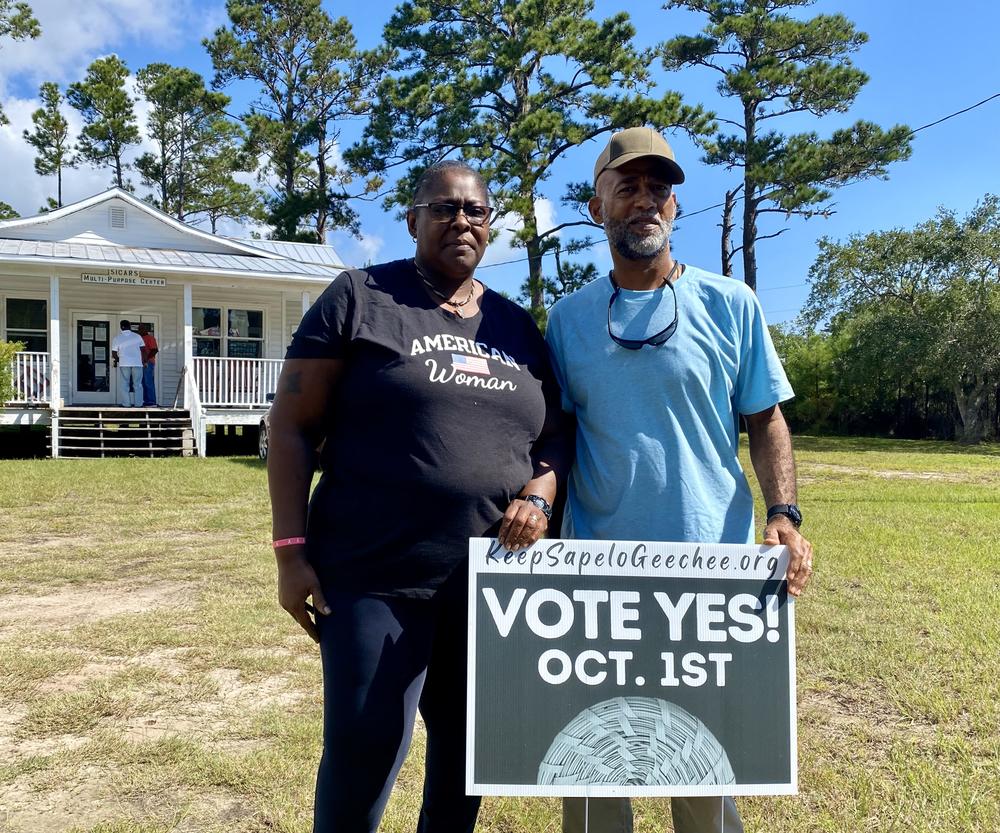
x=212, y=391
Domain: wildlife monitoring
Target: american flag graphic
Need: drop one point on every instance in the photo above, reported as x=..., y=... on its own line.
x=469, y=364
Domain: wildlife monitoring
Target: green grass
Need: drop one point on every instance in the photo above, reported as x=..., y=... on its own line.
x=149, y=682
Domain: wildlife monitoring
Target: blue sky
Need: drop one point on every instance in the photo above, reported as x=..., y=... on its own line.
x=926, y=60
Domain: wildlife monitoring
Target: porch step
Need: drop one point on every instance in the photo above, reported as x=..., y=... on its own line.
x=98, y=431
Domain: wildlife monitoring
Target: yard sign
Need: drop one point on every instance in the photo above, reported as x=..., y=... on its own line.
x=630, y=668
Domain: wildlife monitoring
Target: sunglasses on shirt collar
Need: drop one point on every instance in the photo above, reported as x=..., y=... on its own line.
x=655, y=340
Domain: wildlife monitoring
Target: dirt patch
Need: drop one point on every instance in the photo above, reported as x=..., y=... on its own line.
x=209, y=719
x=84, y=802
x=889, y=474
x=93, y=797
x=76, y=605
x=273, y=691
x=167, y=661
x=50, y=542
x=849, y=714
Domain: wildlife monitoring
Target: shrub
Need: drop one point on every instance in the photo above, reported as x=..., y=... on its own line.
x=7, y=351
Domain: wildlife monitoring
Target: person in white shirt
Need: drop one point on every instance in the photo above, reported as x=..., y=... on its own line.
x=128, y=353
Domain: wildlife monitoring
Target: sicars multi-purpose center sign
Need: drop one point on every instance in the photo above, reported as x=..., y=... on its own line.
x=613, y=668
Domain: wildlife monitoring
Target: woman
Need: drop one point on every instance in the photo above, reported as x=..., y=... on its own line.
x=438, y=408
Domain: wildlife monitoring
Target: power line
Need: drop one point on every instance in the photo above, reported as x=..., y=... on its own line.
x=688, y=214
x=911, y=133
x=956, y=113
x=785, y=286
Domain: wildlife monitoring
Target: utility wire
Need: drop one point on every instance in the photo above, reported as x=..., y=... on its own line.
x=687, y=214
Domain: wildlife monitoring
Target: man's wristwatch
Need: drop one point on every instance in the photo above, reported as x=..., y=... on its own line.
x=541, y=503
x=789, y=510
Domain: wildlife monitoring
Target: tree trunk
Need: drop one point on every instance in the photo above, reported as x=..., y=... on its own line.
x=181, y=159
x=59, y=186
x=164, y=185
x=971, y=403
x=536, y=291
x=749, y=243
x=321, y=180
x=727, y=231
x=749, y=199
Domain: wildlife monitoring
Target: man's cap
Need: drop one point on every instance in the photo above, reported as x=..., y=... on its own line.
x=635, y=143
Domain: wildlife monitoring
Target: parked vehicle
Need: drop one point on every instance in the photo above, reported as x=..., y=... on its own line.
x=264, y=430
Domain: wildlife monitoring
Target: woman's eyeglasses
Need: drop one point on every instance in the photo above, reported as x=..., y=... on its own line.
x=446, y=212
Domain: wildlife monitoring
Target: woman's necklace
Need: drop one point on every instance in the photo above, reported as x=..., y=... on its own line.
x=447, y=299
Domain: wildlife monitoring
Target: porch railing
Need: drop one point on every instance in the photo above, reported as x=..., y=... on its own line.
x=30, y=374
x=246, y=382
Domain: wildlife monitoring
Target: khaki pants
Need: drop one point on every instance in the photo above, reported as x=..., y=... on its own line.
x=614, y=815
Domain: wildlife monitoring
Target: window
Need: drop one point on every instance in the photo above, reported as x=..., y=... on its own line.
x=245, y=334
x=27, y=322
x=243, y=337
x=207, y=332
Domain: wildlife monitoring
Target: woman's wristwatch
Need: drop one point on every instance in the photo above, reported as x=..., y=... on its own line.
x=541, y=503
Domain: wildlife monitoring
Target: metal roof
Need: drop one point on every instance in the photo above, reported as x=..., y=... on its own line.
x=302, y=252
x=54, y=217
x=168, y=258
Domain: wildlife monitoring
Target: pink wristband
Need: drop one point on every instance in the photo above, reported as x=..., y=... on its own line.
x=288, y=542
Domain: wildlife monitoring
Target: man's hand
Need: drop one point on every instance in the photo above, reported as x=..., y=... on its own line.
x=297, y=581
x=780, y=530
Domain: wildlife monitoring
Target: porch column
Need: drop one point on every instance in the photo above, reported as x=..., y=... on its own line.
x=55, y=352
x=188, y=347
x=305, y=303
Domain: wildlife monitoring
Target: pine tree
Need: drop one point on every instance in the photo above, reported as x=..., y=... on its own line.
x=310, y=77
x=108, y=114
x=775, y=65
x=17, y=23
x=50, y=138
x=220, y=196
x=511, y=86
x=188, y=125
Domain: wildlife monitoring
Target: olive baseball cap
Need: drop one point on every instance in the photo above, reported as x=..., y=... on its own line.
x=634, y=143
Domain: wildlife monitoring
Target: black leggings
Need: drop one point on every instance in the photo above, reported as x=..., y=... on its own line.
x=383, y=658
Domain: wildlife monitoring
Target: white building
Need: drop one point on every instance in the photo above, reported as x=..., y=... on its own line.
x=222, y=311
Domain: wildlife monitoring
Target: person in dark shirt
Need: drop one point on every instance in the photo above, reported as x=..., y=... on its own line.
x=440, y=420
x=149, y=366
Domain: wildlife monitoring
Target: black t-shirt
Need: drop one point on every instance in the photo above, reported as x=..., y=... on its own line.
x=431, y=430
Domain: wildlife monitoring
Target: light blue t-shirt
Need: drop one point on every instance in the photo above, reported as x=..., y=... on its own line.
x=657, y=436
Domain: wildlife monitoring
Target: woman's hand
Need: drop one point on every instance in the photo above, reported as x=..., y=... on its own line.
x=523, y=523
x=297, y=581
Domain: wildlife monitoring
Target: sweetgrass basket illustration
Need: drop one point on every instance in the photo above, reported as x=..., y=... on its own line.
x=635, y=741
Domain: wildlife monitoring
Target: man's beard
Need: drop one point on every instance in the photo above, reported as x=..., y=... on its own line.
x=634, y=246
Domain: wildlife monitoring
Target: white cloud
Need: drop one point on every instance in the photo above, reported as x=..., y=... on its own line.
x=355, y=251
x=545, y=215
x=22, y=187
x=502, y=248
x=74, y=32
x=25, y=190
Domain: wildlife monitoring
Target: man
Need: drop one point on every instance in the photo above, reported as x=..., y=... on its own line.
x=128, y=354
x=657, y=361
x=149, y=368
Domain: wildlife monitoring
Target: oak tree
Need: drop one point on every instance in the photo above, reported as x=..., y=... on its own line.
x=921, y=305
